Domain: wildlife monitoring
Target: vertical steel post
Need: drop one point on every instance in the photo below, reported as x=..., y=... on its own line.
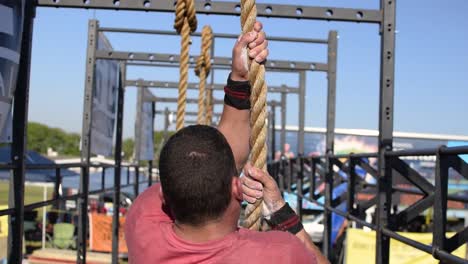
x=299, y=183
x=329, y=140
x=150, y=162
x=118, y=164
x=351, y=185
x=312, y=178
x=18, y=147
x=440, y=202
x=128, y=175
x=137, y=180
x=166, y=124
x=283, y=122
x=282, y=172
x=302, y=95
x=273, y=134
x=387, y=81
x=331, y=91
x=103, y=178
x=85, y=141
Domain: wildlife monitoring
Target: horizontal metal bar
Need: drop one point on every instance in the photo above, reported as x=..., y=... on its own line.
x=412, y=152
x=7, y=166
x=216, y=35
x=195, y=100
x=225, y=61
x=229, y=8
x=191, y=66
x=8, y=211
x=408, y=241
x=195, y=86
x=429, y=152
x=454, y=150
x=162, y=112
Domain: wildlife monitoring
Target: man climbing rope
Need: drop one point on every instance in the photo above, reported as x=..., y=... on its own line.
x=193, y=215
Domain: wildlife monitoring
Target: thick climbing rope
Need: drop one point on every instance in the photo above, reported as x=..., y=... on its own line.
x=258, y=114
x=209, y=107
x=185, y=24
x=202, y=70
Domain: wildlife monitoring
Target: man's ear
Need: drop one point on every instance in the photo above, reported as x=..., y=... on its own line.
x=161, y=195
x=236, y=188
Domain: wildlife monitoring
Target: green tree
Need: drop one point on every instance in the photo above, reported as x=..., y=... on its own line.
x=41, y=137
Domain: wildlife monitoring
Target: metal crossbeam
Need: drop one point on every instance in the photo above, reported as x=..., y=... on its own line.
x=193, y=100
x=228, y=8
x=224, y=61
x=215, y=35
x=195, y=86
x=162, y=112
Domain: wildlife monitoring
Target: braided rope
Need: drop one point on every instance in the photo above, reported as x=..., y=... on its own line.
x=185, y=24
x=202, y=70
x=258, y=114
x=209, y=107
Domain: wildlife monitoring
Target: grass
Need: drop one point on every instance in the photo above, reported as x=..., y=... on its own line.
x=32, y=194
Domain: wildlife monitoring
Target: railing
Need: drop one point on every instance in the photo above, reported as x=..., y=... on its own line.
x=302, y=176
x=57, y=198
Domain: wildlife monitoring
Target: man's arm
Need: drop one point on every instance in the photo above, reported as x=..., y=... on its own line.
x=259, y=184
x=235, y=123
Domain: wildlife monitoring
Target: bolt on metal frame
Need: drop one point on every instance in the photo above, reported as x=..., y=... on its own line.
x=385, y=16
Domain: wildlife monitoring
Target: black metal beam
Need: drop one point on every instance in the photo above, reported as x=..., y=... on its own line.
x=223, y=61
x=19, y=144
x=86, y=141
x=195, y=100
x=385, y=139
x=229, y=8
x=195, y=86
x=215, y=35
x=301, y=114
x=118, y=166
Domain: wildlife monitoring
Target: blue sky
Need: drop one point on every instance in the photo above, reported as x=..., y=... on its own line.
x=431, y=64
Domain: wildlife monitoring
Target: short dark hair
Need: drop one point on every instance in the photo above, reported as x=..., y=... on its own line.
x=196, y=167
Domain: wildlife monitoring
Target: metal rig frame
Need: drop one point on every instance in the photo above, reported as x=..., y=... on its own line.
x=170, y=60
x=384, y=16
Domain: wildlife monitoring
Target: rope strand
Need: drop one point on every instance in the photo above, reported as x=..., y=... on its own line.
x=258, y=114
x=185, y=24
x=202, y=70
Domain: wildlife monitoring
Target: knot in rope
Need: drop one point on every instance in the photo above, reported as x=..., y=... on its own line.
x=202, y=69
x=185, y=9
x=185, y=23
x=204, y=60
x=258, y=113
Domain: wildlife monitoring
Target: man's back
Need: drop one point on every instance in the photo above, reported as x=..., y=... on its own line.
x=151, y=239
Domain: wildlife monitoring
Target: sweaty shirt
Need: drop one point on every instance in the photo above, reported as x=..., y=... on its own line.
x=150, y=239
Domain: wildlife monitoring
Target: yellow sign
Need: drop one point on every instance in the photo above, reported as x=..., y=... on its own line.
x=360, y=248
x=3, y=223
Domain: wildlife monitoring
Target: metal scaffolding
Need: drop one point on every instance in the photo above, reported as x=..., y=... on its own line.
x=287, y=171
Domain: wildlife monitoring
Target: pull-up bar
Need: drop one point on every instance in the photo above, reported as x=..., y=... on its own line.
x=194, y=86
x=216, y=35
x=230, y=8
x=225, y=61
x=195, y=100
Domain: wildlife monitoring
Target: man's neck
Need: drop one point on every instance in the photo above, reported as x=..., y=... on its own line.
x=213, y=230
x=210, y=230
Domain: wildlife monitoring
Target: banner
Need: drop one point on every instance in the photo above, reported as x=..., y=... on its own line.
x=11, y=31
x=360, y=248
x=144, y=145
x=107, y=74
x=100, y=232
x=3, y=223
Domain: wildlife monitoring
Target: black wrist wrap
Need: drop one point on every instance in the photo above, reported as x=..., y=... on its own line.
x=237, y=94
x=285, y=219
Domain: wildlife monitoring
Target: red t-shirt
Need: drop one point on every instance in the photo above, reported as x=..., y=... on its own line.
x=151, y=239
